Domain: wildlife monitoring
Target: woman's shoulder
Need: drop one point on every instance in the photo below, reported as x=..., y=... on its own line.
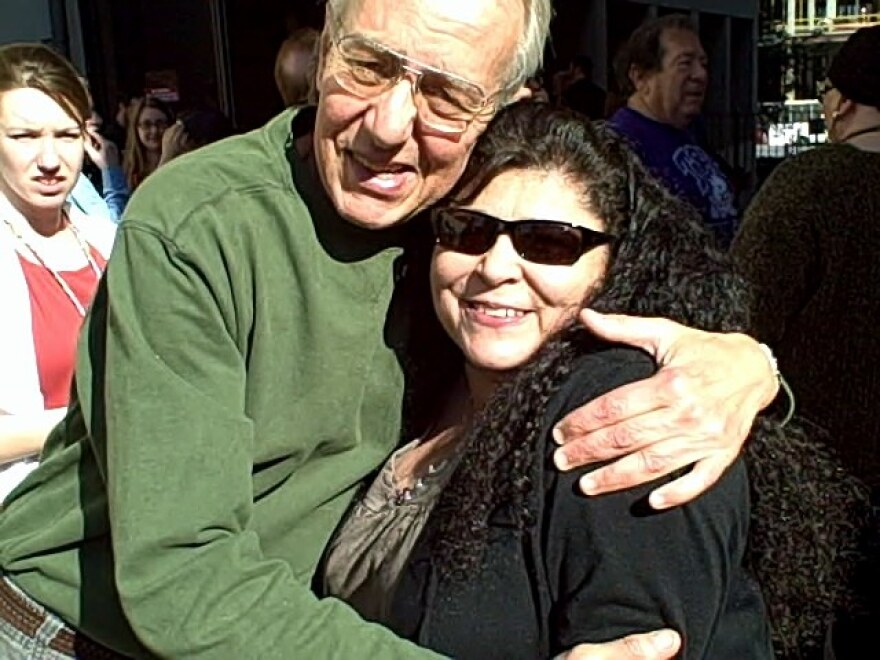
x=98, y=231
x=819, y=165
x=599, y=369
x=594, y=373
x=615, y=565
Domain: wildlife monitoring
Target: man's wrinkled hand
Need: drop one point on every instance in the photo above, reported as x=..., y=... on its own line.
x=697, y=409
x=659, y=645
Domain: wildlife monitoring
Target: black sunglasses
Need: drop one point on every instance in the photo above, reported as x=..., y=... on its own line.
x=547, y=242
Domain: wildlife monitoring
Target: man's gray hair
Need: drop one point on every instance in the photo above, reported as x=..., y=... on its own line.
x=529, y=53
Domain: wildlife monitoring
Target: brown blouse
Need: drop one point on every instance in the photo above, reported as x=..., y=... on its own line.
x=371, y=547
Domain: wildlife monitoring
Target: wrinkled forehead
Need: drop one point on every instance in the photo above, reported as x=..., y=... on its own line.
x=28, y=106
x=536, y=194
x=677, y=43
x=473, y=39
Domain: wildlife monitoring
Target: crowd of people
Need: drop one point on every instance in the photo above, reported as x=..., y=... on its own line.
x=435, y=364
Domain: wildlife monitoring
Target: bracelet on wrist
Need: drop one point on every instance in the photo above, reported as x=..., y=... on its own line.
x=768, y=353
x=783, y=384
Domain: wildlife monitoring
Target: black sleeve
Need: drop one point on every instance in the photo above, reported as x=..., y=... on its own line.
x=616, y=567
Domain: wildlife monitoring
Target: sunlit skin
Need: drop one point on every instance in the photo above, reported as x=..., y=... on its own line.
x=832, y=102
x=499, y=308
x=41, y=153
x=674, y=95
x=378, y=164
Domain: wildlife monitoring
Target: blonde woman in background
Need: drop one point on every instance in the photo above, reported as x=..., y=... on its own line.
x=149, y=119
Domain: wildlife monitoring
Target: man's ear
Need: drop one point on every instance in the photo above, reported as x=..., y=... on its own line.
x=845, y=107
x=636, y=77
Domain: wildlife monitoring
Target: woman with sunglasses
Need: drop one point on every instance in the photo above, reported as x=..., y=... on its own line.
x=469, y=541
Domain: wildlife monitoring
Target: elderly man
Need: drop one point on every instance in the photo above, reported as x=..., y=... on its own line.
x=661, y=71
x=240, y=373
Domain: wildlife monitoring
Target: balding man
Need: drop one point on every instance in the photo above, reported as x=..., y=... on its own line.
x=295, y=66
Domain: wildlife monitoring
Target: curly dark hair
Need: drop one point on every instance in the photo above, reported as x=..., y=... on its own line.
x=807, y=510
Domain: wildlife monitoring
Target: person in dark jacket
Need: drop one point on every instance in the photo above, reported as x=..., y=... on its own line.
x=554, y=215
x=808, y=246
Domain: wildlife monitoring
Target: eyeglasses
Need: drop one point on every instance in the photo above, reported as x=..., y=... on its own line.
x=445, y=102
x=159, y=124
x=547, y=242
x=822, y=88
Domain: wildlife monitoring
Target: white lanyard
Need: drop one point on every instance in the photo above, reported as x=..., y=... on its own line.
x=65, y=287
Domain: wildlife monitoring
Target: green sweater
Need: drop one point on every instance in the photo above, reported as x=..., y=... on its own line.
x=236, y=381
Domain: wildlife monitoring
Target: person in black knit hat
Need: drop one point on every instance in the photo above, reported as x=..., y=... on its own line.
x=809, y=245
x=855, y=70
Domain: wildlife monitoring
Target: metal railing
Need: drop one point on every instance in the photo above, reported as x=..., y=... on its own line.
x=732, y=136
x=751, y=144
x=783, y=130
x=837, y=25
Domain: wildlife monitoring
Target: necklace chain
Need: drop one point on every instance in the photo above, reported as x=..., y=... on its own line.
x=863, y=131
x=405, y=494
x=435, y=469
x=65, y=287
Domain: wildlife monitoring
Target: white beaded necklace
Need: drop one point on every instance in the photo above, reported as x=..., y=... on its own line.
x=65, y=287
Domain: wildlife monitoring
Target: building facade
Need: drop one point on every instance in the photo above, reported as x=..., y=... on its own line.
x=214, y=53
x=797, y=40
x=52, y=22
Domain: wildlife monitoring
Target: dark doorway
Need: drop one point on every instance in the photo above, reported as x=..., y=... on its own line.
x=219, y=53
x=127, y=44
x=254, y=31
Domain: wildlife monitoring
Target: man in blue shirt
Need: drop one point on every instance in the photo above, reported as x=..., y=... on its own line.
x=662, y=72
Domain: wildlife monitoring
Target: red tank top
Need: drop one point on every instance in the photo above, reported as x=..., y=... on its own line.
x=56, y=323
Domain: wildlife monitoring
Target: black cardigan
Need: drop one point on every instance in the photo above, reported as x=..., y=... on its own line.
x=595, y=569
